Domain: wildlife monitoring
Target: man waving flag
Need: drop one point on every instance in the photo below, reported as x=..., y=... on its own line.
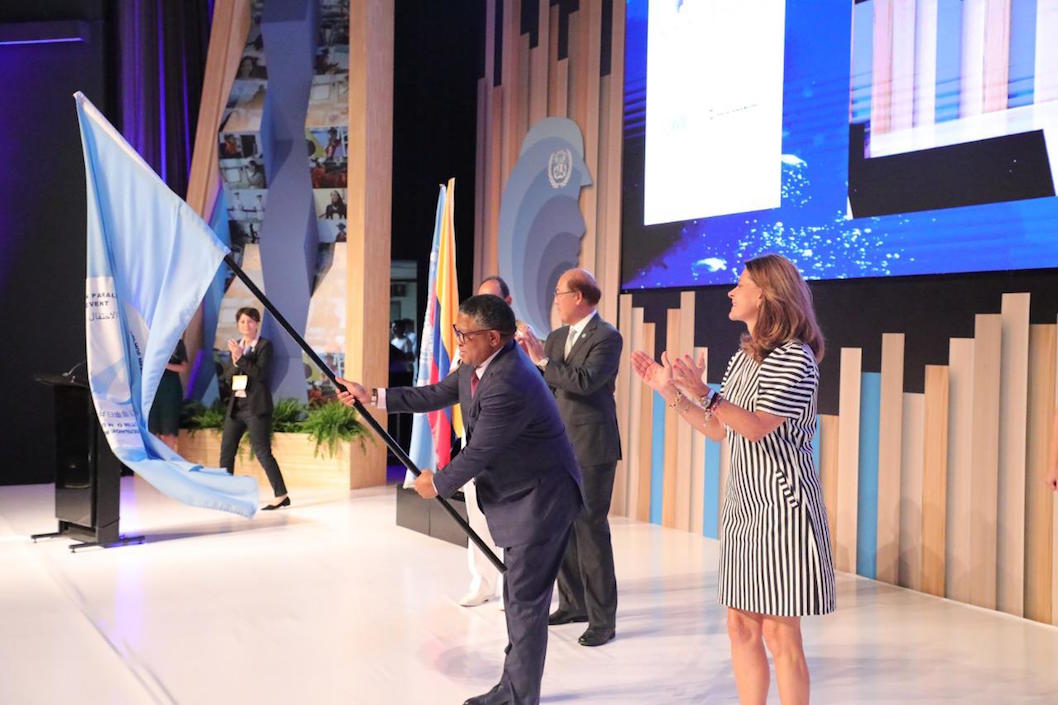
x=150, y=260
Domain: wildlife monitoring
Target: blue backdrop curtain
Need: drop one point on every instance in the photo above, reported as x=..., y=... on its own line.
x=161, y=61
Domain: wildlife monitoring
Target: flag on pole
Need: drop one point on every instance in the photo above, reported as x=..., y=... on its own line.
x=151, y=259
x=431, y=434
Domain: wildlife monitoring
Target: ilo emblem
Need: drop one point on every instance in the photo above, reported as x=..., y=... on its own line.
x=559, y=168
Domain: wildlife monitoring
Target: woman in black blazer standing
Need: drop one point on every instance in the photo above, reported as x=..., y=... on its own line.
x=250, y=403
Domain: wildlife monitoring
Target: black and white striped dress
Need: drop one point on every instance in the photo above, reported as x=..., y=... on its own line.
x=775, y=555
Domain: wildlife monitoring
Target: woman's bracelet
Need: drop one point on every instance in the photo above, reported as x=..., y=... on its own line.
x=678, y=402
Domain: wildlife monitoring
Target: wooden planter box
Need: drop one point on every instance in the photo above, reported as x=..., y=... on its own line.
x=293, y=451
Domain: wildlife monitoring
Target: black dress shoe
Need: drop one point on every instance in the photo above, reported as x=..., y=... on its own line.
x=496, y=696
x=561, y=616
x=596, y=636
x=284, y=503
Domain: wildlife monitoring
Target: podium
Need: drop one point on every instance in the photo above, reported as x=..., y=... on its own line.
x=87, y=473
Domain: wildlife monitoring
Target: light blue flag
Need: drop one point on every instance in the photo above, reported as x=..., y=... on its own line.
x=150, y=260
x=422, y=450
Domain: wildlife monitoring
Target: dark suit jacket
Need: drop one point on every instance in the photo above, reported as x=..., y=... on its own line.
x=527, y=479
x=256, y=364
x=584, y=389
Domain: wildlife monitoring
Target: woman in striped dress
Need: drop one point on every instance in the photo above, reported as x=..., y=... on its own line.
x=775, y=558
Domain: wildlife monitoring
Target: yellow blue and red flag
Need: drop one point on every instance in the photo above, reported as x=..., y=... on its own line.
x=431, y=437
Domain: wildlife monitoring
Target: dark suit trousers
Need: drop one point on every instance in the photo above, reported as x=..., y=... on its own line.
x=586, y=581
x=527, y=587
x=235, y=425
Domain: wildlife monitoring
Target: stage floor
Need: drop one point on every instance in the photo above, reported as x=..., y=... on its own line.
x=330, y=602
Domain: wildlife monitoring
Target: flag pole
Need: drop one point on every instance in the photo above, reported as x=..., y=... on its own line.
x=382, y=433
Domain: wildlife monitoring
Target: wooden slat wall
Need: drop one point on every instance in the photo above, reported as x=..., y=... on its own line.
x=951, y=479
x=684, y=431
x=1013, y=417
x=634, y=439
x=608, y=179
x=960, y=436
x=231, y=23
x=370, y=207
x=910, y=569
x=848, y=459
x=535, y=84
x=934, y=479
x=889, y=443
x=984, y=460
x=828, y=471
x=698, y=463
x=646, y=434
x=619, y=504
x=1039, y=500
x=670, y=495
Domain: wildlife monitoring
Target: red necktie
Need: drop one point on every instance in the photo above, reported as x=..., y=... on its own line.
x=474, y=383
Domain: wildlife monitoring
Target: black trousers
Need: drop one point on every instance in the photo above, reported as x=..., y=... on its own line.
x=235, y=425
x=586, y=581
x=527, y=588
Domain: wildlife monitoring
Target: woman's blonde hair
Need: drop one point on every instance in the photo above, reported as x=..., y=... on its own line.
x=786, y=311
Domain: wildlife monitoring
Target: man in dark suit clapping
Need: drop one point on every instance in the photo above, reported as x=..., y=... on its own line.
x=579, y=362
x=527, y=478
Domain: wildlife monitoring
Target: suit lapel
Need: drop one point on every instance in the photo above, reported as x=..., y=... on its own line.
x=579, y=345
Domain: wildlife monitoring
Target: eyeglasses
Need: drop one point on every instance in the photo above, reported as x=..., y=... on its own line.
x=563, y=293
x=462, y=335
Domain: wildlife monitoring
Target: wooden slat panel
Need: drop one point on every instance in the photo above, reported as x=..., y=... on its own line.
x=619, y=505
x=607, y=254
x=910, y=569
x=1013, y=417
x=646, y=434
x=634, y=436
x=685, y=432
x=494, y=157
x=1054, y=562
x=488, y=168
x=369, y=208
x=557, y=85
x=538, y=64
x=230, y=25
x=520, y=110
x=1039, y=548
x=698, y=460
x=587, y=101
x=890, y=425
x=960, y=436
x=935, y=479
x=848, y=459
x=670, y=497
x=611, y=93
x=828, y=471
x=480, y=183
x=509, y=80
x=697, y=484
x=984, y=461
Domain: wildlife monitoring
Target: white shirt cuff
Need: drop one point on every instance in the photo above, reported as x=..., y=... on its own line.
x=380, y=401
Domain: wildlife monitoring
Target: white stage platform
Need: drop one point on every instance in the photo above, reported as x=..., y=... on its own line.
x=330, y=602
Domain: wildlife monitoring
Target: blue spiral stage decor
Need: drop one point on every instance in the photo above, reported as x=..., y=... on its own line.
x=541, y=225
